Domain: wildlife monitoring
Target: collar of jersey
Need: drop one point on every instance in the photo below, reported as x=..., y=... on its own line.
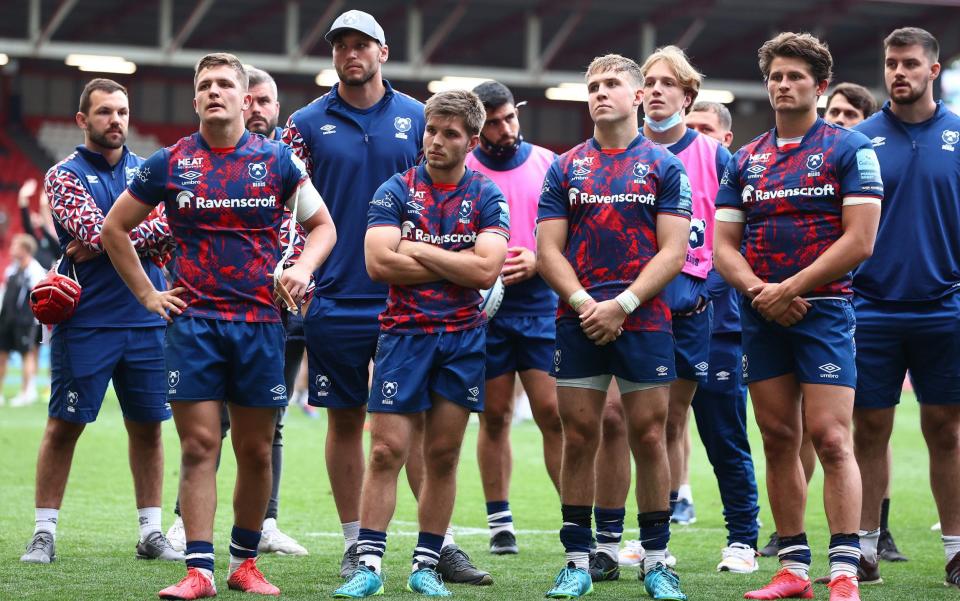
x=518, y=158
x=937, y=114
x=243, y=140
x=338, y=102
x=636, y=141
x=425, y=175
x=97, y=160
x=813, y=129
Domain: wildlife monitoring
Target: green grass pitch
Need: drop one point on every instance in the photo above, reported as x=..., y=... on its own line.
x=98, y=532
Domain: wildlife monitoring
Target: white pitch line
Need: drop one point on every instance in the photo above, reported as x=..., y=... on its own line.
x=470, y=531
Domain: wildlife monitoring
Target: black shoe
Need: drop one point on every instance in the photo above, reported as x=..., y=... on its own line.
x=455, y=566
x=869, y=573
x=887, y=549
x=349, y=562
x=772, y=546
x=603, y=567
x=504, y=543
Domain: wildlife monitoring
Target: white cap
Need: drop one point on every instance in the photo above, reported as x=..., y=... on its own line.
x=357, y=20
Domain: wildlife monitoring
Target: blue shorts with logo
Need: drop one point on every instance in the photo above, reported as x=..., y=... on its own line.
x=519, y=343
x=687, y=298
x=341, y=341
x=819, y=349
x=922, y=337
x=233, y=361
x=84, y=360
x=410, y=367
x=641, y=357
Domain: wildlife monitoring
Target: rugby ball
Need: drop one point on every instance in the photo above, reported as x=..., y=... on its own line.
x=492, y=297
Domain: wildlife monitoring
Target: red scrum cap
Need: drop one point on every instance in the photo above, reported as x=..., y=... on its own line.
x=55, y=298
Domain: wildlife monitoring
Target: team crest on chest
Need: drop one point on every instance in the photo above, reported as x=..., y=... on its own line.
x=402, y=125
x=814, y=163
x=950, y=139
x=466, y=210
x=640, y=171
x=257, y=171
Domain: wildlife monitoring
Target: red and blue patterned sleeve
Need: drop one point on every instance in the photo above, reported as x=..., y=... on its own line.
x=149, y=184
x=386, y=208
x=494, y=212
x=729, y=193
x=293, y=171
x=674, y=196
x=77, y=212
x=294, y=139
x=553, y=199
x=858, y=168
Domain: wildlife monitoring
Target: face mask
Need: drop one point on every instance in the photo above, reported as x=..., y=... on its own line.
x=662, y=126
x=499, y=152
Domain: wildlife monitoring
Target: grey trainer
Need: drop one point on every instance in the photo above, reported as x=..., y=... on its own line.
x=40, y=549
x=156, y=546
x=350, y=561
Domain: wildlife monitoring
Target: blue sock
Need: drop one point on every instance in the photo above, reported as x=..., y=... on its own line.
x=674, y=497
x=576, y=534
x=844, y=555
x=499, y=517
x=794, y=554
x=371, y=545
x=427, y=552
x=654, y=536
x=609, y=529
x=199, y=554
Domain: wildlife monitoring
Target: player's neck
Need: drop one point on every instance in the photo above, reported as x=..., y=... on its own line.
x=915, y=112
x=450, y=176
x=365, y=96
x=222, y=134
x=111, y=155
x=795, y=124
x=671, y=136
x=616, y=135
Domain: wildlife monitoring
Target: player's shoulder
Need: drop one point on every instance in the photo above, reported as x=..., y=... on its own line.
x=313, y=108
x=756, y=149
x=405, y=101
x=841, y=137
x=70, y=163
x=581, y=150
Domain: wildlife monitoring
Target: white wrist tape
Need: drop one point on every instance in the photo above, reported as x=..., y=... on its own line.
x=628, y=301
x=577, y=299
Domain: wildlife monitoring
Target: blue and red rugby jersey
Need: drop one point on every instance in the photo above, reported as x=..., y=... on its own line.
x=450, y=217
x=224, y=207
x=611, y=201
x=792, y=198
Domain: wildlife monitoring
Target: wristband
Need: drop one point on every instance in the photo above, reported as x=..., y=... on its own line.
x=578, y=298
x=628, y=301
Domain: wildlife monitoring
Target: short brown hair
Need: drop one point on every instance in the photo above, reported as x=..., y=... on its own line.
x=617, y=63
x=858, y=96
x=458, y=103
x=26, y=242
x=218, y=59
x=100, y=84
x=798, y=45
x=688, y=77
x=718, y=109
x=914, y=36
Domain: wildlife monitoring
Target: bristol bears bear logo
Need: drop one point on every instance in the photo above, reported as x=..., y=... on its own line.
x=951, y=137
x=389, y=389
x=173, y=378
x=698, y=229
x=815, y=161
x=403, y=124
x=257, y=171
x=640, y=170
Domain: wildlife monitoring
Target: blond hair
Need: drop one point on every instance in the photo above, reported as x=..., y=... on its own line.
x=618, y=64
x=458, y=103
x=688, y=77
x=26, y=242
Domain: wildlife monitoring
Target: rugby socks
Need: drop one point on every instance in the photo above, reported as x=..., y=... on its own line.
x=243, y=546
x=371, y=545
x=609, y=530
x=654, y=536
x=845, y=555
x=199, y=555
x=149, y=518
x=794, y=554
x=868, y=544
x=351, y=530
x=951, y=546
x=674, y=496
x=499, y=517
x=427, y=552
x=885, y=514
x=685, y=492
x=448, y=538
x=46, y=520
x=576, y=534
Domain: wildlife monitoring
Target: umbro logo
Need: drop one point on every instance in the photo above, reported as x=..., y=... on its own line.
x=328, y=129
x=878, y=141
x=663, y=370
x=190, y=177
x=702, y=366
x=723, y=376
x=279, y=389
x=756, y=170
x=93, y=179
x=829, y=370
x=415, y=206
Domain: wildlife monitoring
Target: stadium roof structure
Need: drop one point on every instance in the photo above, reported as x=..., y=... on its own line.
x=531, y=43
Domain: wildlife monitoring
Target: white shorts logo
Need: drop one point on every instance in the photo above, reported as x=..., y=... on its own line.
x=662, y=370
x=173, y=378
x=389, y=389
x=829, y=370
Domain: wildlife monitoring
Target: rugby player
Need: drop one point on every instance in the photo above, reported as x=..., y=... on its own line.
x=810, y=193
x=613, y=224
x=437, y=233
x=224, y=190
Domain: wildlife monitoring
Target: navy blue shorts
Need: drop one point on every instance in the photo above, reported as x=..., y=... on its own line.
x=84, y=360
x=819, y=349
x=233, y=361
x=895, y=337
x=341, y=342
x=409, y=367
x=641, y=357
x=520, y=343
x=692, y=326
